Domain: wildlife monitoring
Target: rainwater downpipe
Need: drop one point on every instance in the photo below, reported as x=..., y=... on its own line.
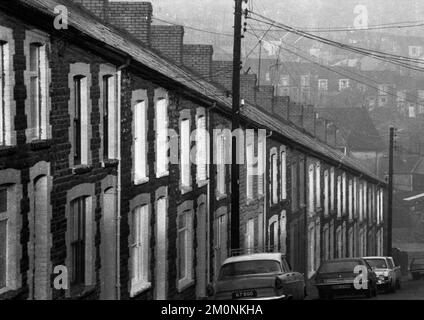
x=118, y=211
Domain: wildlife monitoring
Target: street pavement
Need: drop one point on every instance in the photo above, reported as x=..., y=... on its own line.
x=410, y=290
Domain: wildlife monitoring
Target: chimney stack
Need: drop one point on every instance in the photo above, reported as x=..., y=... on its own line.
x=198, y=58
x=133, y=17
x=222, y=73
x=169, y=41
x=296, y=114
x=265, y=97
x=281, y=107
x=247, y=87
x=321, y=129
x=309, y=119
x=331, y=133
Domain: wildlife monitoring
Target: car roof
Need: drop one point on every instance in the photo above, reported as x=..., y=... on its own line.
x=344, y=259
x=254, y=257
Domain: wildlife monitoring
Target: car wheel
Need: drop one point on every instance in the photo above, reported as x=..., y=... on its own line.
x=415, y=276
x=398, y=284
x=375, y=290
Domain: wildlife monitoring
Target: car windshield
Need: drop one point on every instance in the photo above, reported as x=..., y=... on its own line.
x=377, y=263
x=249, y=267
x=339, y=266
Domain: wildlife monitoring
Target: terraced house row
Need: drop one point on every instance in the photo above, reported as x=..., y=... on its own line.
x=89, y=115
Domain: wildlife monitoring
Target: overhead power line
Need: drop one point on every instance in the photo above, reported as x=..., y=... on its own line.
x=194, y=28
x=349, y=76
x=383, y=56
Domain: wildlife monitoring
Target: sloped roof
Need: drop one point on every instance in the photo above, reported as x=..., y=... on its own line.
x=356, y=126
x=89, y=25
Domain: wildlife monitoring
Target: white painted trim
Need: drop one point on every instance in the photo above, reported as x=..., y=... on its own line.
x=40, y=169
x=12, y=178
x=37, y=36
x=6, y=35
x=82, y=69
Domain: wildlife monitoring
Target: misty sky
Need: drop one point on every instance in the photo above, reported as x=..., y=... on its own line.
x=217, y=15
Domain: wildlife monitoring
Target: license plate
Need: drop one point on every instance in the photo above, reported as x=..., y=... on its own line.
x=341, y=286
x=244, y=294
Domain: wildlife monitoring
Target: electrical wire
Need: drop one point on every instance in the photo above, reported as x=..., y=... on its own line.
x=344, y=74
x=386, y=57
x=194, y=28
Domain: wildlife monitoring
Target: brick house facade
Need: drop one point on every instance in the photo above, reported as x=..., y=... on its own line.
x=149, y=232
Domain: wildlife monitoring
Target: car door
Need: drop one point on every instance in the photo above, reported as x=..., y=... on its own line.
x=295, y=279
x=396, y=270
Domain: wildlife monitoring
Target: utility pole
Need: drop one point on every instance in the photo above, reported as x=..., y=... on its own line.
x=390, y=193
x=235, y=174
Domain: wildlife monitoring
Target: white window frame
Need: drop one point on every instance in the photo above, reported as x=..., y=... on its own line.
x=42, y=130
x=86, y=191
x=202, y=147
x=261, y=164
x=250, y=234
x=343, y=84
x=140, y=145
x=350, y=199
x=8, y=107
x=221, y=186
x=10, y=180
x=344, y=195
x=161, y=127
x=188, y=278
x=311, y=189
x=273, y=163
x=81, y=70
x=140, y=249
x=318, y=185
x=283, y=172
x=109, y=73
x=332, y=189
x=326, y=194
x=339, y=196
x=323, y=85
x=185, y=149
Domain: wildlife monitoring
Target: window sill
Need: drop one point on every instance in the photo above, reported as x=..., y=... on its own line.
x=202, y=183
x=36, y=145
x=184, y=284
x=185, y=190
x=82, y=169
x=139, y=288
x=250, y=201
x=6, y=151
x=162, y=174
x=141, y=181
x=110, y=163
x=220, y=196
x=5, y=290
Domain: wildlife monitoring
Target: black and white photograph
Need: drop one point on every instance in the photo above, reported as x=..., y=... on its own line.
x=213, y=157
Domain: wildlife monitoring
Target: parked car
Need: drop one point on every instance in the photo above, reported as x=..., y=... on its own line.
x=388, y=274
x=337, y=277
x=417, y=268
x=261, y=276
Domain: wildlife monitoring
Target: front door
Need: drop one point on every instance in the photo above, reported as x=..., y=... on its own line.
x=202, y=251
x=108, y=271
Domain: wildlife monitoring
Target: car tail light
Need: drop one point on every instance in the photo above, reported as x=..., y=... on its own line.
x=278, y=283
